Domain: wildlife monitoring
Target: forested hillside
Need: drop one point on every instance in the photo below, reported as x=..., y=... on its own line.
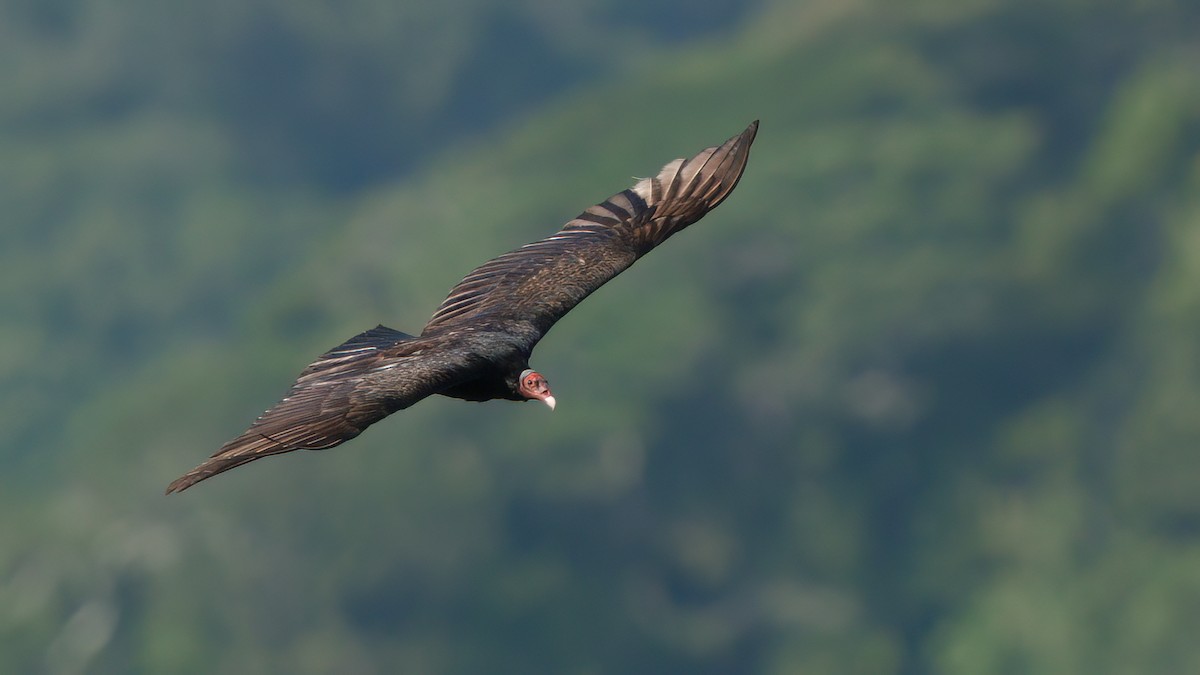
x=920, y=397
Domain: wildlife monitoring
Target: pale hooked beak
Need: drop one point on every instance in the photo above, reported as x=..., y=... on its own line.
x=549, y=400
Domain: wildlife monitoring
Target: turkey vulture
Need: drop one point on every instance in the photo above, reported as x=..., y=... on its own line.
x=477, y=345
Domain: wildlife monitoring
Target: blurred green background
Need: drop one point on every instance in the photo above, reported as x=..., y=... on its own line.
x=922, y=397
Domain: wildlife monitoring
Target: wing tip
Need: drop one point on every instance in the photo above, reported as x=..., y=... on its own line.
x=220, y=462
x=182, y=483
x=750, y=132
x=742, y=141
x=724, y=165
x=208, y=469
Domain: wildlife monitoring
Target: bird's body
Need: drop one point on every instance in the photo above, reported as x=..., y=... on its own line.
x=478, y=343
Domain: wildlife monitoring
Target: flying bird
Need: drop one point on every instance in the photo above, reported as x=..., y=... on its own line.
x=478, y=343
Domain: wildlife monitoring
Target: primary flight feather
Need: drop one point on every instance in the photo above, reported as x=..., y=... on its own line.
x=478, y=343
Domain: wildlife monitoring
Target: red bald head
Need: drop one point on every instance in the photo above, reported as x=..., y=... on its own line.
x=533, y=386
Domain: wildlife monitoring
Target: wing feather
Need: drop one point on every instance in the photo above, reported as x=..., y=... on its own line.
x=540, y=282
x=336, y=397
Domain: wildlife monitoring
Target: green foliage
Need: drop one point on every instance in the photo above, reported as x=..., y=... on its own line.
x=920, y=398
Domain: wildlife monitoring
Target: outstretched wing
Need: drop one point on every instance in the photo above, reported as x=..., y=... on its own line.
x=343, y=392
x=538, y=283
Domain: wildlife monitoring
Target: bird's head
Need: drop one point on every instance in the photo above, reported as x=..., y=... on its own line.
x=532, y=385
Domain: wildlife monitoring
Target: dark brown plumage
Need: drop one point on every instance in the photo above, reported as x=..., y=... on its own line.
x=478, y=343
